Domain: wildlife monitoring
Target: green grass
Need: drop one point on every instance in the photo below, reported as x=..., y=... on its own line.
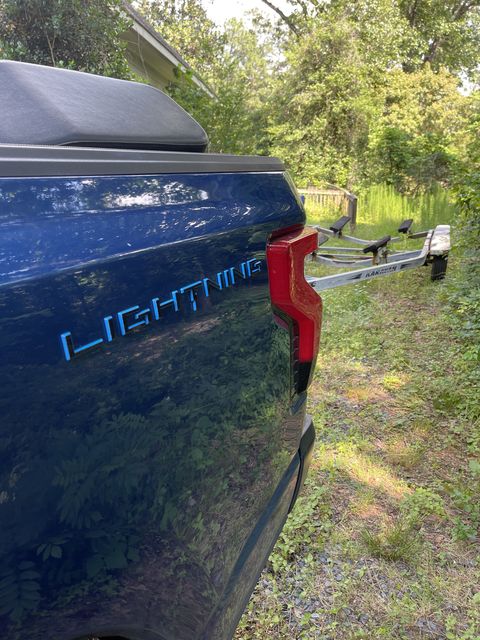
x=396, y=541
x=381, y=209
x=384, y=542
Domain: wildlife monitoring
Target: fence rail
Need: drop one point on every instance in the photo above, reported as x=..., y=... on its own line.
x=332, y=198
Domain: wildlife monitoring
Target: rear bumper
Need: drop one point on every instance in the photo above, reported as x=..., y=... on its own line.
x=305, y=452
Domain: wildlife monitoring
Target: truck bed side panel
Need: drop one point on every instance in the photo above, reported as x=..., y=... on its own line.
x=135, y=473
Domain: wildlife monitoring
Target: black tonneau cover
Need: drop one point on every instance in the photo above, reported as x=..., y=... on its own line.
x=48, y=106
x=34, y=160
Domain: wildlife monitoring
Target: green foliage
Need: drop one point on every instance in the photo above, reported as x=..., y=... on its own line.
x=344, y=111
x=465, y=497
x=456, y=630
x=412, y=33
x=322, y=113
x=348, y=93
x=441, y=34
x=19, y=590
x=79, y=34
x=234, y=64
x=421, y=503
x=463, y=297
x=186, y=26
x=413, y=145
x=236, y=118
x=468, y=178
x=383, y=206
x=308, y=520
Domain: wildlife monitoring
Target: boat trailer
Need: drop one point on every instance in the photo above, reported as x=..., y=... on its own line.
x=371, y=259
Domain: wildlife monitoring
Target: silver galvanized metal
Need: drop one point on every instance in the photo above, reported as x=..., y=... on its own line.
x=437, y=243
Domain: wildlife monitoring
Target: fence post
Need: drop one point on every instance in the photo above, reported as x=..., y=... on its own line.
x=352, y=210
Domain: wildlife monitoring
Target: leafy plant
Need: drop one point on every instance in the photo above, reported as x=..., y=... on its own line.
x=421, y=503
x=310, y=518
x=77, y=34
x=19, y=590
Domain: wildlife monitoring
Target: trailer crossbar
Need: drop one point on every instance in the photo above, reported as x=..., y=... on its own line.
x=355, y=240
x=384, y=261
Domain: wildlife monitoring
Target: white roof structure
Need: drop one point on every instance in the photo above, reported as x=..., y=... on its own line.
x=151, y=56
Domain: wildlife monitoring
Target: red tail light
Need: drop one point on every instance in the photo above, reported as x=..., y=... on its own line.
x=294, y=299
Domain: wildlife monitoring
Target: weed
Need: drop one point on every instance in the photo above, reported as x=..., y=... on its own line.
x=405, y=454
x=395, y=541
x=382, y=208
x=421, y=504
x=393, y=381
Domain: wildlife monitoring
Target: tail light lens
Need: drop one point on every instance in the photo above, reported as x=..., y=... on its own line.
x=294, y=300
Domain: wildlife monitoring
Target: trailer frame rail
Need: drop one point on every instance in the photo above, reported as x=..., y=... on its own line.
x=383, y=261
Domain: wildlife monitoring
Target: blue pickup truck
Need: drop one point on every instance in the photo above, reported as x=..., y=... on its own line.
x=157, y=341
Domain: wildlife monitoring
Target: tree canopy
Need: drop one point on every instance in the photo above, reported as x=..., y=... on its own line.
x=231, y=60
x=348, y=92
x=351, y=93
x=438, y=32
x=78, y=34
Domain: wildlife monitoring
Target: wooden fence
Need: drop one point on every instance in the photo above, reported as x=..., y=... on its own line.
x=335, y=199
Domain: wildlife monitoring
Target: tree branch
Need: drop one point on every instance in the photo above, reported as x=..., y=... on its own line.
x=462, y=9
x=51, y=43
x=432, y=50
x=458, y=14
x=284, y=17
x=303, y=6
x=412, y=13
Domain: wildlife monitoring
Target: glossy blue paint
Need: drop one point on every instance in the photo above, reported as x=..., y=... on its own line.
x=143, y=483
x=56, y=224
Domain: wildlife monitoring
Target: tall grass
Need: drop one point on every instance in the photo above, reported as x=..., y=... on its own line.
x=381, y=208
x=382, y=201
